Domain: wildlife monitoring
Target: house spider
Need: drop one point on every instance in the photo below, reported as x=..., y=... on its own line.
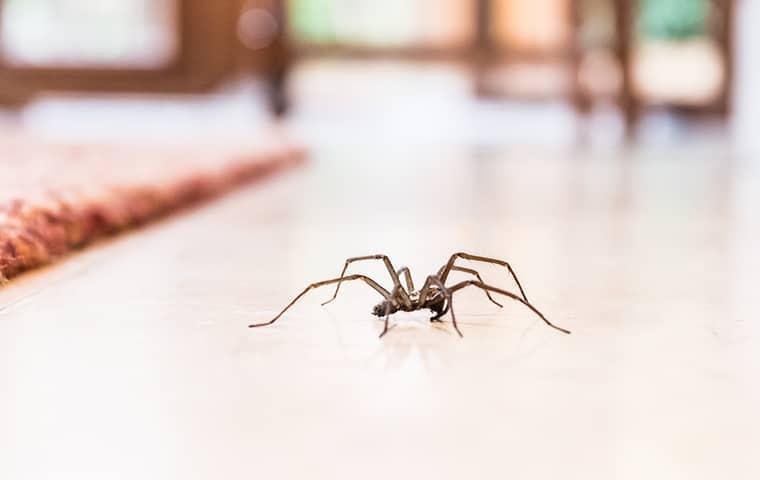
x=434, y=294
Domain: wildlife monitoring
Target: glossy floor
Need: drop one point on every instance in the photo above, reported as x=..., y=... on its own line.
x=133, y=360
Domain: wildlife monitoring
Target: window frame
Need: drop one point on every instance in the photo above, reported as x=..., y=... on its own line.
x=206, y=51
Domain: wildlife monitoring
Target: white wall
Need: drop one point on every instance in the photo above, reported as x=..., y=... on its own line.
x=746, y=102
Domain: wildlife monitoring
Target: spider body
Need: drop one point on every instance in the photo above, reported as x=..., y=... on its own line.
x=436, y=303
x=434, y=294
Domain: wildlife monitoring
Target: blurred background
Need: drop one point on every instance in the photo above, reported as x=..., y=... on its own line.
x=607, y=148
x=479, y=71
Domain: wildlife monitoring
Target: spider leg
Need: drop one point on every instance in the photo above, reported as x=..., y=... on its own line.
x=444, y=273
x=424, y=292
x=433, y=280
x=423, y=300
x=363, y=278
x=388, y=312
x=483, y=286
x=477, y=275
x=394, y=276
x=408, y=277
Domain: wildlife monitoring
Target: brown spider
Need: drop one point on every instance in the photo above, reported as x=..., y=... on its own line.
x=434, y=295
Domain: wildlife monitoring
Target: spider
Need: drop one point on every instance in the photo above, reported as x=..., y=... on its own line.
x=434, y=294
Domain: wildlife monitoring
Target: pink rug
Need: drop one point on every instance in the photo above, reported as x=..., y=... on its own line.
x=55, y=198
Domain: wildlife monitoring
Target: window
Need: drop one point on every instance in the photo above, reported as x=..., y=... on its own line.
x=84, y=33
x=382, y=25
x=115, y=45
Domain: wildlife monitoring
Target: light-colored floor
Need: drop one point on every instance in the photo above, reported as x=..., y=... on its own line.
x=133, y=360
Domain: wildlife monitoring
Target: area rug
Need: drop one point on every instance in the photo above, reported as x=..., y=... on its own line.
x=55, y=198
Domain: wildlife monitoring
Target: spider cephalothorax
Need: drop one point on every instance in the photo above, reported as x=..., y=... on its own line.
x=434, y=294
x=436, y=303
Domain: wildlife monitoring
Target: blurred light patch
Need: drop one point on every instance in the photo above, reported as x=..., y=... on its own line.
x=529, y=80
x=387, y=24
x=257, y=28
x=532, y=26
x=673, y=19
x=600, y=73
x=685, y=72
x=86, y=33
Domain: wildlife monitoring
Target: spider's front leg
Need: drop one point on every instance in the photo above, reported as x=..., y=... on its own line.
x=403, y=295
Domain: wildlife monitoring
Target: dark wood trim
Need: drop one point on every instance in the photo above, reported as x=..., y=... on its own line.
x=580, y=99
x=727, y=42
x=280, y=58
x=482, y=47
x=625, y=18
